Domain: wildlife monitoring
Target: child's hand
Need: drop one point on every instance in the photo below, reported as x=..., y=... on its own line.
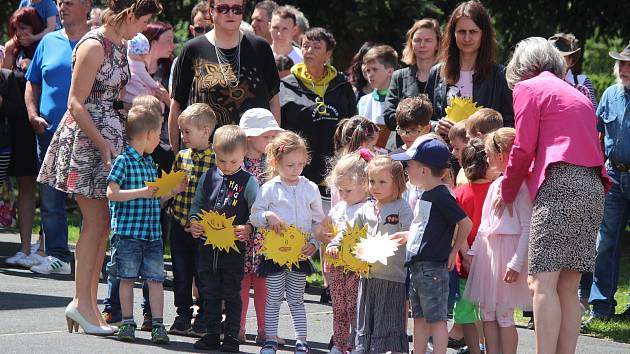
x=180, y=187
x=274, y=222
x=333, y=252
x=148, y=192
x=242, y=232
x=444, y=126
x=510, y=276
x=196, y=230
x=323, y=232
x=451, y=259
x=309, y=249
x=400, y=237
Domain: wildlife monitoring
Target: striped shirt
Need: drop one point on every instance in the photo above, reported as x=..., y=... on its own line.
x=137, y=218
x=194, y=163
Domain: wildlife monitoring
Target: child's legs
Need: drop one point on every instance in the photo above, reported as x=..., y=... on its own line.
x=465, y=313
x=260, y=299
x=295, y=285
x=156, y=298
x=232, y=278
x=152, y=271
x=490, y=331
x=508, y=336
x=439, y=333
x=245, y=284
x=125, y=291
x=26, y=208
x=420, y=335
x=211, y=290
x=275, y=295
x=428, y=295
x=182, y=251
x=352, y=289
x=341, y=320
x=364, y=317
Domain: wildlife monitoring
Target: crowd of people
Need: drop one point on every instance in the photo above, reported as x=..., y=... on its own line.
x=519, y=206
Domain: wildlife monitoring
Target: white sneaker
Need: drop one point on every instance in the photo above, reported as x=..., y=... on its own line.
x=50, y=265
x=36, y=258
x=16, y=258
x=35, y=247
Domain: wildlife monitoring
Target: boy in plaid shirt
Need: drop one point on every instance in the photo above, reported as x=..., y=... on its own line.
x=135, y=221
x=196, y=123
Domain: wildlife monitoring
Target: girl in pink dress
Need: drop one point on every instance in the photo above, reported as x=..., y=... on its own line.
x=497, y=280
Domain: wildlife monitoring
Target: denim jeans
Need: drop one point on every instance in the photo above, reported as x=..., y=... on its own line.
x=53, y=210
x=606, y=274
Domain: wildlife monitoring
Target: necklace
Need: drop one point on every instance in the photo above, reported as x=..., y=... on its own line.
x=232, y=59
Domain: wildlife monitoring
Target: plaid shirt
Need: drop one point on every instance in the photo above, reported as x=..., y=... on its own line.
x=194, y=163
x=137, y=218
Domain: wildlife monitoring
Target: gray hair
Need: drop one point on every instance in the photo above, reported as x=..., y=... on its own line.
x=531, y=57
x=616, y=72
x=300, y=20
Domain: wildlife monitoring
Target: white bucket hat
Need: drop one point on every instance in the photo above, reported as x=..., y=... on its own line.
x=257, y=121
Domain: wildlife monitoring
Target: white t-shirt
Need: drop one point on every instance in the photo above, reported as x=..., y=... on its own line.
x=295, y=54
x=372, y=109
x=465, y=84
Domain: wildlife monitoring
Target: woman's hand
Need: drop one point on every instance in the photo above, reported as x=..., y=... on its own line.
x=274, y=222
x=242, y=232
x=309, y=249
x=162, y=94
x=196, y=230
x=444, y=126
x=107, y=151
x=26, y=38
x=510, y=276
x=333, y=252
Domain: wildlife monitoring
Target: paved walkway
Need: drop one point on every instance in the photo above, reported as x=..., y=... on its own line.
x=31, y=319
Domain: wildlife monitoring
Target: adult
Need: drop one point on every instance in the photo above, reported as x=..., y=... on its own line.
x=19, y=51
x=227, y=69
x=556, y=139
x=95, y=20
x=46, y=96
x=612, y=113
x=314, y=98
x=469, y=67
x=200, y=19
x=261, y=18
x=567, y=44
x=421, y=51
x=357, y=78
x=283, y=27
x=301, y=22
x=89, y=136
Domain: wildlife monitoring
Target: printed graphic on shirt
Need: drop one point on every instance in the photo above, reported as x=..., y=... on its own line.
x=233, y=192
x=391, y=219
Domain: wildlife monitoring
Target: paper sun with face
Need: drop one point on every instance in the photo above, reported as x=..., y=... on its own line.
x=167, y=183
x=219, y=231
x=461, y=108
x=284, y=249
x=374, y=249
x=352, y=235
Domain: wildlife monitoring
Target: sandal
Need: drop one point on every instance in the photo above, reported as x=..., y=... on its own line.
x=270, y=347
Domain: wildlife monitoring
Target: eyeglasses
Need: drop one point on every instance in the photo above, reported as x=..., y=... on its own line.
x=202, y=29
x=223, y=9
x=403, y=132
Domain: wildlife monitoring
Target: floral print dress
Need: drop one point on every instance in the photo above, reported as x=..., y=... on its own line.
x=253, y=245
x=72, y=163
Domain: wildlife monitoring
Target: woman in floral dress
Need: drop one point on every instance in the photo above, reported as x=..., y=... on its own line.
x=89, y=136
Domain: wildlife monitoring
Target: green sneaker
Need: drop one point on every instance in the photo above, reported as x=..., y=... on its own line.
x=127, y=332
x=159, y=336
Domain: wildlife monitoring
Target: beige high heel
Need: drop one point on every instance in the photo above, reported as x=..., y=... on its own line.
x=72, y=325
x=74, y=319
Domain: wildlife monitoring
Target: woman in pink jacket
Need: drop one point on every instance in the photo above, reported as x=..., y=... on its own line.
x=557, y=154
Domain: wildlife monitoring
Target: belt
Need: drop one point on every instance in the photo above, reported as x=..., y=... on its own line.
x=621, y=167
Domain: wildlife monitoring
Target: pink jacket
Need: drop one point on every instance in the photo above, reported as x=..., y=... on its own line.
x=554, y=123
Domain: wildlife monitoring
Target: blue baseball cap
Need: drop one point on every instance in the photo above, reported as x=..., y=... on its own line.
x=430, y=152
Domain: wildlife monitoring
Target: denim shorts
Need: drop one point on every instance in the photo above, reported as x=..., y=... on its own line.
x=428, y=293
x=133, y=259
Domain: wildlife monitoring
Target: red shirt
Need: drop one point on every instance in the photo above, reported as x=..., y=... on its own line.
x=470, y=197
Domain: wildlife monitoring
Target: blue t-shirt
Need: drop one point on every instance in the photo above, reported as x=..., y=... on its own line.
x=51, y=68
x=431, y=233
x=45, y=9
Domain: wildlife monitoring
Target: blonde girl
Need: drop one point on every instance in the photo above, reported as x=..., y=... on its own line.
x=287, y=198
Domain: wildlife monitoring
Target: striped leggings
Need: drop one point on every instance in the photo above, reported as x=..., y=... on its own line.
x=292, y=284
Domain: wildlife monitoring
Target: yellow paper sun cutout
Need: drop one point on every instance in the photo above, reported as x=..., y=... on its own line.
x=284, y=249
x=352, y=236
x=167, y=182
x=333, y=262
x=219, y=231
x=461, y=108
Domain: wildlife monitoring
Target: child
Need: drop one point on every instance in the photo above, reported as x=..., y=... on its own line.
x=429, y=253
x=381, y=316
x=497, y=279
x=413, y=117
x=49, y=14
x=227, y=189
x=140, y=82
x=457, y=138
x=482, y=122
x=260, y=127
x=349, y=177
x=379, y=64
x=356, y=133
x=287, y=199
x=196, y=123
x=470, y=197
x=137, y=248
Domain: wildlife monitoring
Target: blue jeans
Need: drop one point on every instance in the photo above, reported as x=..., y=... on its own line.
x=606, y=274
x=53, y=210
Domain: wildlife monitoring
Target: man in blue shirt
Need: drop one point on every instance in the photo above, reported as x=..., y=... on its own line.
x=613, y=123
x=46, y=97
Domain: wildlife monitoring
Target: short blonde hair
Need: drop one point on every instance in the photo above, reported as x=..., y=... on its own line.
x=395, y=168
x=350, y=167
x=142, y=119
x=458, y=131
x=229, y=138
x=199, y=114
x=483, y=121
x=148, y=101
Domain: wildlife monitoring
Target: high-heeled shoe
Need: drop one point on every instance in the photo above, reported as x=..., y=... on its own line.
x=74, y=319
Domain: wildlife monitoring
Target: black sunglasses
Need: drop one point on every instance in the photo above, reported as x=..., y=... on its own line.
x=223, y=9
x=202, y=29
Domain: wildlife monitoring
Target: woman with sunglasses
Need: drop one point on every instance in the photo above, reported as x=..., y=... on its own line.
x=314, y=98
x=469, y=67
x=227, y=69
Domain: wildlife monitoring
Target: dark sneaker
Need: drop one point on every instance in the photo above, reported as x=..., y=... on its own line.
x=530, y=324
x=208, y=342
x=147, y=324
x=301, y=348
x=456, y=343
x=180, y=327
x=325, y=296
x=230, y=345
x=127, y=332
x=197, y=331
x=158, y=335
x=270, y=347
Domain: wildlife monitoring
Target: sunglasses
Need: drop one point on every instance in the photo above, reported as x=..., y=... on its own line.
x=202, y=29
x=223, y=9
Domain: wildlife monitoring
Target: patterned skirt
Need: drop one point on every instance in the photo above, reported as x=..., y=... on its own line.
x=566, y=215
x=72, y=163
